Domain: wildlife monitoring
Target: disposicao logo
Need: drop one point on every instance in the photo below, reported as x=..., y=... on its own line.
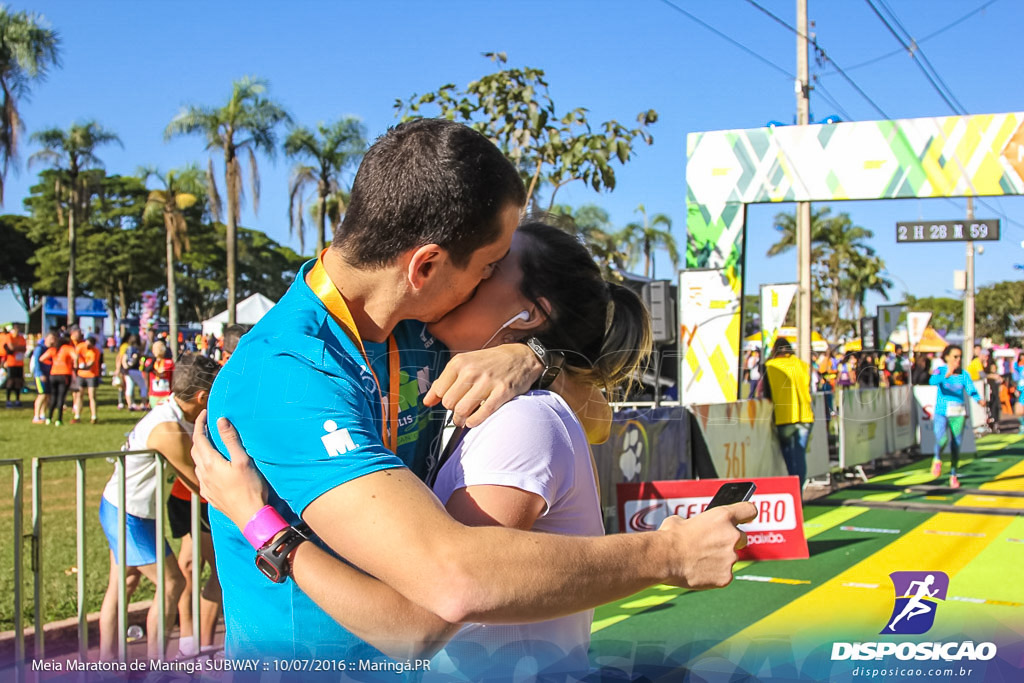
x=917, y=594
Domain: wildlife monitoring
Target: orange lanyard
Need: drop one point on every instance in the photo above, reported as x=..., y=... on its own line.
x=325, y=290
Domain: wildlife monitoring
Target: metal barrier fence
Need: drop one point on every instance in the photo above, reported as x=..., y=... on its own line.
x=36, y=554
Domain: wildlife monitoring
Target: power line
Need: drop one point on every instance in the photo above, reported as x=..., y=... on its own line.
x=723, y=36
x=824, y=56
x=952, y=24
x=828, y=97
x=913, y=49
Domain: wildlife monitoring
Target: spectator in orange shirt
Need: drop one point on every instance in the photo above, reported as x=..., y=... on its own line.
x=78, y=341
x=14, y=360
x=161, y=373
x=63, y=359
x=90, y=364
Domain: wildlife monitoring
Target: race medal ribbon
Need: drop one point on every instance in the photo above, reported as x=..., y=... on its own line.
x=325, y=290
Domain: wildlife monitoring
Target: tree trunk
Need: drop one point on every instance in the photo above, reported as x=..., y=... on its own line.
x=172, y=291
x=231, y=238
x=110, y=312
x=321, y=232
x=122, y=306
x=72, y=246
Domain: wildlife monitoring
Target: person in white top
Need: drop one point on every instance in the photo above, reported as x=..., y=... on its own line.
x=167, y=429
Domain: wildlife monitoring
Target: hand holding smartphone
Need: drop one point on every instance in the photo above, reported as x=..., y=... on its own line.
x=732, y=492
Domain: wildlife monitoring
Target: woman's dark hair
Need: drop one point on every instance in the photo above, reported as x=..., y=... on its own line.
x=781, y=348
x=950, y=349
x=603, y=328
x=193, y=373
x=429, y=181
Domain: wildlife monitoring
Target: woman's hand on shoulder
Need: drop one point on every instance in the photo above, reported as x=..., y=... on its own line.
x=234, y=487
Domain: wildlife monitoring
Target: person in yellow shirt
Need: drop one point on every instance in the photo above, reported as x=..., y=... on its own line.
x=788, y=384
x=976, y=368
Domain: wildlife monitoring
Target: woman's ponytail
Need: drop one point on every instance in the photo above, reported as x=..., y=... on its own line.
x=627, y=338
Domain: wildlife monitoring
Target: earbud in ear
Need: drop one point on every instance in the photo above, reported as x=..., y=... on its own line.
x=522, y=315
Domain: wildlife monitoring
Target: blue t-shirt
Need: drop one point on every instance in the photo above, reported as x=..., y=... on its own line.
x=951, y=390
x=308, y=412
x=40, y=369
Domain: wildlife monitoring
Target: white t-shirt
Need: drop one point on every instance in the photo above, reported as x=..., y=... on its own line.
x=140, y=471
x=536, y=444
x=754, y=367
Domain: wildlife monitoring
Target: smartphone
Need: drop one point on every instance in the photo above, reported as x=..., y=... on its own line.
x=732, y=492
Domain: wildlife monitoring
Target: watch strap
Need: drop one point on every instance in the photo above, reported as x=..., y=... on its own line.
x=273, y=558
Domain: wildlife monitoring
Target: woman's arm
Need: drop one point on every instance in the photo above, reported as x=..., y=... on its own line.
x=368, y=608
x=972, y=390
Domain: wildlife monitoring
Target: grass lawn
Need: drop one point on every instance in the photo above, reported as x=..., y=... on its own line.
x=19, y=438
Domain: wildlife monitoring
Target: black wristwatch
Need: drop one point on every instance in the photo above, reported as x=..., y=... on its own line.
x=552, y=361
x=272, y=558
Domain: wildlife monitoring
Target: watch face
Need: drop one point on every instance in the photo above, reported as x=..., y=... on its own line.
x=537, y=347
x=268, y=568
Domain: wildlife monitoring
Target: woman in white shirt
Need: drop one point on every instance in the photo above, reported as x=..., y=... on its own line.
x=528, y=466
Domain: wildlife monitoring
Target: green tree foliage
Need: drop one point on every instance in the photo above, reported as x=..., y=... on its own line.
x=843, y=268
x=72, y=154
x=513, y=108
x=947, y=313
x=120, y=255
x=247, y=123
x=16, y=270
x=592, y=226
x=28, y=48
x=323, y=156
x=264, y=266
x=999, y=312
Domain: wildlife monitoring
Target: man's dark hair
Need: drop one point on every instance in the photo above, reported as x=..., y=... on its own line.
x=193, y=373
x=232, y=333
x=429, y=181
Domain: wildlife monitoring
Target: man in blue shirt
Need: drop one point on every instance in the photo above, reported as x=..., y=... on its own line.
x=339, y=368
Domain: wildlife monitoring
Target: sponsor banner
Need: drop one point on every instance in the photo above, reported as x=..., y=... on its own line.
x=775, y=303
x=917, y=323
x=776, y=534
x=817, y=445
x=741, y=439
x=924, y=407
x=85, y=307
x=888, y=317
x=862, y=427
x=709, y=328
x=644, y=445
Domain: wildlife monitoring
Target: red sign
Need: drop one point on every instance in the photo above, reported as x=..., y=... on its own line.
x=776, y=534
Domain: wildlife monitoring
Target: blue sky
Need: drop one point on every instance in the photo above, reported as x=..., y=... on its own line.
x=132, y=66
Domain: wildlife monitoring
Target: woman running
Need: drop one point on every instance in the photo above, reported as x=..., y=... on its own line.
x=528, y=466
x=951, y=410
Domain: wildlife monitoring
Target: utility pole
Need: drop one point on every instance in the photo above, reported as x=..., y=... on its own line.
x=803, y=209
x=968, y=352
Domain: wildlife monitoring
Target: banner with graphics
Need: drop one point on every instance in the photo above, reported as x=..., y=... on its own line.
x=917, y=323
x=924, y=406
x=740, y=438
x=862, y=427
x=888, y=318
x=645, y=445
x=775, y=303
x=709, y=331
x=776, y=534
x=947, y=156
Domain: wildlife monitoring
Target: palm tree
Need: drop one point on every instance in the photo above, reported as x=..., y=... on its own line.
x=27, y=50
x=71, y=153
x=246, y=123
x=644, y=238
x=835, y=243
x=181, y=189
x=864, y=273
x=338, y=146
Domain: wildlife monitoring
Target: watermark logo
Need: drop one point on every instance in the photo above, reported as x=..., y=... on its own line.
x=917, y=596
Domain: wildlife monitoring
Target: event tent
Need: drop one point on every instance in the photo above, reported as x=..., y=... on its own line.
x=247, y=312
x=931, y=341
x=818, y=342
